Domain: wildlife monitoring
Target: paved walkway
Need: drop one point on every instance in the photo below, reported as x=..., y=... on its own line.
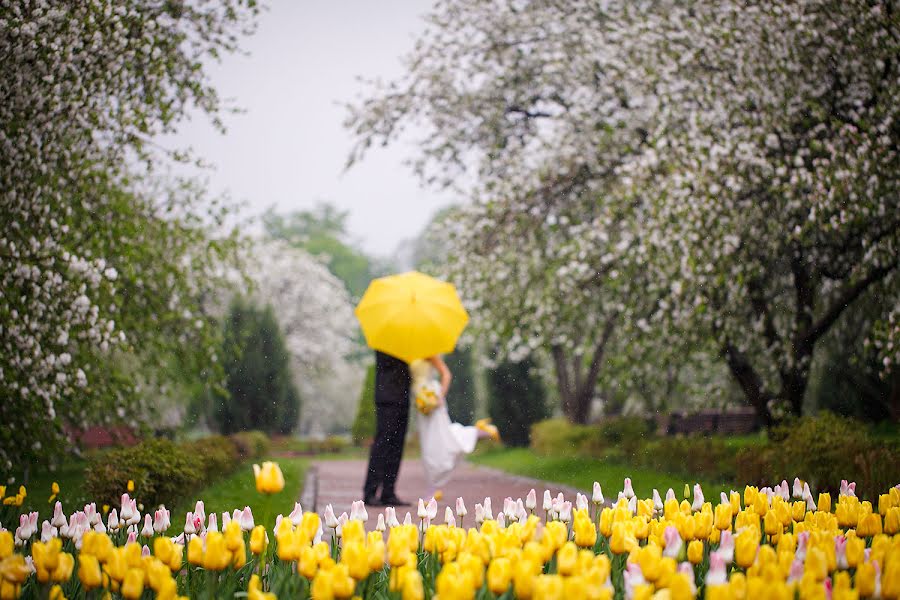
x=340, y=482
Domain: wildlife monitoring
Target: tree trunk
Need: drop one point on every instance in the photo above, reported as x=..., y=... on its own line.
x=749, y=381
x=576, y=384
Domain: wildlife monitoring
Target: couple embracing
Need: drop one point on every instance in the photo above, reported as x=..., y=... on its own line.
x=442, y=441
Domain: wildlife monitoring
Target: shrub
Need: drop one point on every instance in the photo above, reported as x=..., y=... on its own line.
x=822, y=450
x=557, y=437
x=364, y=424
x=515, y=401
x=215, y=455
x=260, y=391
x=251, y=444
x=695, y=456
x=162, y=473
x=461, y=401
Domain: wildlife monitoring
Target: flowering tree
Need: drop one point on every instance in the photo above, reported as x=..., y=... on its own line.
x=315, y=314
x=99, y=260
x=737, y=163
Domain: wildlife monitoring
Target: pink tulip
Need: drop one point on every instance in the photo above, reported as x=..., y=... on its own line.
x=628, y=490
x=461, y=507
x=716, y=574
x=672, y=541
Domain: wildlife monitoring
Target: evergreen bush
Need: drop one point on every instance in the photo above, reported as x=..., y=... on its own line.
x=516, y=400
x=461, y=400
x=363, y=428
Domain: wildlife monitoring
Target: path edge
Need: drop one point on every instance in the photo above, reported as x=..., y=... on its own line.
x=537, y=484
x=310, y=488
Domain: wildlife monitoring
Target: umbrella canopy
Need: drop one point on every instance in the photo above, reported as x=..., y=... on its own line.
x=411, y=316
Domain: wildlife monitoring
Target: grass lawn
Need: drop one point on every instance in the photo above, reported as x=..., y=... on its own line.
x=238, y=490
x=69, y=476
x=583, y=472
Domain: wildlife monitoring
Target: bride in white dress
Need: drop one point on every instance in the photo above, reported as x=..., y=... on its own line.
x=443, y=442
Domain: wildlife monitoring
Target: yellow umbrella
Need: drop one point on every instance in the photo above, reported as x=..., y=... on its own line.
x=411, y=316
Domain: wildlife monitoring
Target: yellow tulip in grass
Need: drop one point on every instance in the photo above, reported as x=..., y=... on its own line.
x=269, y=478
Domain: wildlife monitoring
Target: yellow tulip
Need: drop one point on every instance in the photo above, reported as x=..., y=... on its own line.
x=413, y=587
x=746, y=545
x=865, y=579
x=64, y=567
x=718, y=592
x=524, y=573
x=258, y=540
x=353, y=531
x=771, y=524
x=670, y=508
x=892, y=521
x=269, y=478
x=606, y=521
x=133, y=585
x=115, y=565
x=323, y=586
x=622, y=540
x=869, y=525
x=56, y=593
x=722, y=519
x=397, y=548
x=585, y=533
x=309, y=524
x=695, y=552
x=216, y=555
x=824, y=503
x=680, y=587
x=855, y=551
x=566, y=559
x=308, y=563
x=575, y=587
x=353, y=554
x=375, y=555
x=649, y=559
x=342, y=584
x=499, y=575
x=14, y=570
x=46, y=558
x=548, y=587
x=89, y=571
x=157, y=574
x=7, y=544
x=195, y=551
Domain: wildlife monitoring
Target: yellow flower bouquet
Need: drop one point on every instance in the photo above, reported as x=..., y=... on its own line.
x=428, y=396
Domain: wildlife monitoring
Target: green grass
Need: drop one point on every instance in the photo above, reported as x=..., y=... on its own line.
x=238, y=490
x=69, y=476
x=583, y=472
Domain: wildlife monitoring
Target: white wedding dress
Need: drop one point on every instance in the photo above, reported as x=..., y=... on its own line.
x=442, y=442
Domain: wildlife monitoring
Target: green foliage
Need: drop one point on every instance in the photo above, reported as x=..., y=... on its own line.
x=162, y=473
x=462, y=400
x=323, y=232
x=251, y=444
x=364, y=423
x=215, y=455
x=690, y=456
x=260, y=392
x=823, y=450
x=558, y=437
x=516, y=400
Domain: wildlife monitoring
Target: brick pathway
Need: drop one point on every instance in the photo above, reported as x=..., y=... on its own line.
x=339, y=482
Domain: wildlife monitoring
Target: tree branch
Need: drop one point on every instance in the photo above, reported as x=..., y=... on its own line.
x=844, y=300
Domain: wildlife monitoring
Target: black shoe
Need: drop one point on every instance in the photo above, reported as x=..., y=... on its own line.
x=373, y=501
x=393, y=501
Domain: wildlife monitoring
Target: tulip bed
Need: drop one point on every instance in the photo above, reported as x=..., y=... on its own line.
x=764, y=543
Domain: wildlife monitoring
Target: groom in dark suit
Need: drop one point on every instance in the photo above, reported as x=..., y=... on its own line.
x=392, y=381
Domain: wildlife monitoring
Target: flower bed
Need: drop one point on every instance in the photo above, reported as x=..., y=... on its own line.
x=779, y=542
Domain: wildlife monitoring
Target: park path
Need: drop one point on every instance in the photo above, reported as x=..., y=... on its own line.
x=340, y=482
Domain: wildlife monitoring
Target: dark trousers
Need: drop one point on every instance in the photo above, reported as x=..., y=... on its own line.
x=387, y=450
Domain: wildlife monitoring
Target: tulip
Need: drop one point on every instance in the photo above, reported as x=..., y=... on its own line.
x=133, y=585
x=672, y=541
x=479, y=514
x=390, y=517
x=824, y=502
x=269, y=478
x=695, y=552
x=565, y=513
x=627, y=490
x=380, y=524
x=412, y=587
x=499, y=575
x=892, y=521
x=698, y=498
x=865, y=579
x=330, y=520
x=112, y=522
x=745, y=548
x=89, y=571
x=530, y=500
x=358, y=511
x=548, y=501
x=585, y=532
x=432, y=508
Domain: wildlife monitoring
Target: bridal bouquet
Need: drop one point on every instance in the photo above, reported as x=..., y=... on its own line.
x=428, y=396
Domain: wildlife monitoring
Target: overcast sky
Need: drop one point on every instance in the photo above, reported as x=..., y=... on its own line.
x=289, y=147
